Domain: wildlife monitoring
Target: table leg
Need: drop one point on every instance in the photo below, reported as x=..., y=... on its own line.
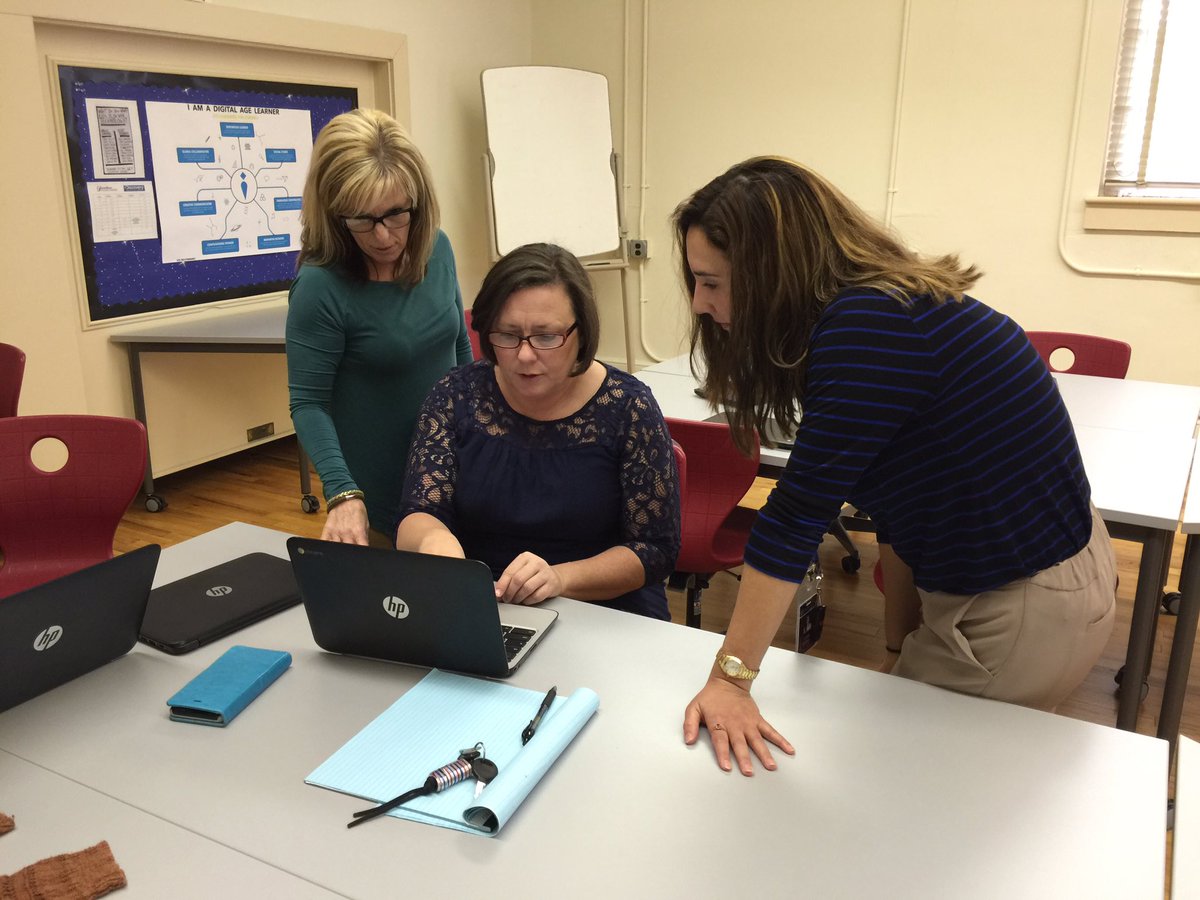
x=139, y=411
x=1180, y=663
x=1141, y=628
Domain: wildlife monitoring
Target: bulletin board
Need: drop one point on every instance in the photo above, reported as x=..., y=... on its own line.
x=187, y=189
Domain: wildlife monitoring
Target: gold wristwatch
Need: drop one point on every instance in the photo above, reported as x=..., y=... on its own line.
x=734, y=667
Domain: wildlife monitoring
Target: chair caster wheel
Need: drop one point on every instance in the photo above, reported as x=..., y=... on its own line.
x=309, y=503
x=851, y=564
x=155, y=503
x=1120, y=676
x=1170, y=603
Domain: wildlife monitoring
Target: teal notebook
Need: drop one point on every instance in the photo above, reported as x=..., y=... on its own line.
x=426, y=728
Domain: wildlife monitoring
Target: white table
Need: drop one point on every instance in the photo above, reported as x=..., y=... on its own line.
x=258, y=330
x=1180, y=663
x=1137, y=449
x=1144, y=407
x=898, y=789
x=56, y=815
x=1185, y=845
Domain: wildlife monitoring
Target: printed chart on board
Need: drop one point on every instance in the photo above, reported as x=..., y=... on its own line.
x=229, y=178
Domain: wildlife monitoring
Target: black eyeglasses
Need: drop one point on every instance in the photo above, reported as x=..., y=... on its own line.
x=506, y=340
x=393, y=220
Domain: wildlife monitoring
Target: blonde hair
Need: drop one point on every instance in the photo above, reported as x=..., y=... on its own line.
x=358, y=158
x=793, y=241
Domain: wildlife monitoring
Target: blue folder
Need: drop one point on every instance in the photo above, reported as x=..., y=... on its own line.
x=425, y=729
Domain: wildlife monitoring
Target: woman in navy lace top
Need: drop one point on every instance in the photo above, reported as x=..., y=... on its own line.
x=554, y=469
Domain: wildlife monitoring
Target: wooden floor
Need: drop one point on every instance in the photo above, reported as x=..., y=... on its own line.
x=261, y=486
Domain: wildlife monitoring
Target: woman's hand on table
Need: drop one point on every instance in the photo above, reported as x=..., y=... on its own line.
x=735, y=726
x=346, y=523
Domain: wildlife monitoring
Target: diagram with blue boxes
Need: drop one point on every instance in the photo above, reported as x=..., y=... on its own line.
x=229, y=178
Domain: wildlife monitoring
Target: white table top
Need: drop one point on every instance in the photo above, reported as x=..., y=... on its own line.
x=1147, y=407
x=676, y=365
x=1191, y=510
x=55, y=815
x=1136, y=479
x=263, y=324
x=898, y=789
x=677, y=399
x=1185, y=845
x=1121, y=403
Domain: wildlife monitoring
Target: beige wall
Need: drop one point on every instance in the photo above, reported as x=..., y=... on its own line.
x=436, y=51
x=986, y=162
x=998, y=140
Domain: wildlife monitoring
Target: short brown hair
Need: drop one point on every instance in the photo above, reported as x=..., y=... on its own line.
x=537, y=265
x=793, y=241
x=359, y=157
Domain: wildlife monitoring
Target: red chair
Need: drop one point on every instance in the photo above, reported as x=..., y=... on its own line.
x=12, y=372
x=55, y=523
x=714, y=527
x=1106, y=357
x=476, y=347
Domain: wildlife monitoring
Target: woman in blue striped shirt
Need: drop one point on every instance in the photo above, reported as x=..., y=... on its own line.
x=924, y=408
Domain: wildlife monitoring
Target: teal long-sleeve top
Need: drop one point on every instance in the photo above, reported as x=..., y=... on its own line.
x=361, y=357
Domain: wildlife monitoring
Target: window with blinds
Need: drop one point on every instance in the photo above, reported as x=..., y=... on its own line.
x=1154, y=132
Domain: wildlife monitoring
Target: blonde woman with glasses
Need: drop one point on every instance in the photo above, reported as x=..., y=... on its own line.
x=554, y=469
x=375, y=317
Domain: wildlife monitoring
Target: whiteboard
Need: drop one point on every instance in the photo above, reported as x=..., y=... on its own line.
x=551, y=173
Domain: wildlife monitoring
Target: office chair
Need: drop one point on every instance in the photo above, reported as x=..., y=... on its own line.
x=54, y=523
x=1105, y=357
x=475, y=336
x=714, y=527
x=12, y=372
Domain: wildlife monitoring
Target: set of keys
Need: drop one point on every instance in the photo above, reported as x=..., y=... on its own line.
x=471, y=763
x=483, y=770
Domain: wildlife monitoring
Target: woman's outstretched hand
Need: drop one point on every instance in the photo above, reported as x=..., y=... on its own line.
x=735, y=726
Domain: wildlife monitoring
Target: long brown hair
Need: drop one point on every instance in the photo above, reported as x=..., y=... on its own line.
x=358, y=158
x=793, y=241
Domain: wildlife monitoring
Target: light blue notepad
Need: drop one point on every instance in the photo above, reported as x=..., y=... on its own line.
x=427, y=727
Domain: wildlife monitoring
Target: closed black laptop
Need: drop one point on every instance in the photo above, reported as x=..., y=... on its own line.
x=201, y=608
x=413, y=608
x=65, y=628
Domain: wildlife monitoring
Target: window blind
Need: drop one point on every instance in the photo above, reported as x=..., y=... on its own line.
x=1154, y=130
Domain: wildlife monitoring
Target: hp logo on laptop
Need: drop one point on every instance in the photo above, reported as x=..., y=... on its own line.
x=48, y=638
x=395, y=607
x=220, y=590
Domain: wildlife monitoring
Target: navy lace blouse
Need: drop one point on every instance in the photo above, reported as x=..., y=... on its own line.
x=564, y=490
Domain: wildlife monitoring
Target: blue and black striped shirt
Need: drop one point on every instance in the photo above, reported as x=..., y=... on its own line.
x=942, y=423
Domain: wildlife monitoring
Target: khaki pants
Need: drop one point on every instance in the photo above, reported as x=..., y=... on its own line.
x=1030, y=642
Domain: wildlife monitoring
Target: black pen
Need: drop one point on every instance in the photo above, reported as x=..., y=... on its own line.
x=537, y=719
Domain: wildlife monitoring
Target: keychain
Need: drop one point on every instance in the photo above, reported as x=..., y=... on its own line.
x=470, y=763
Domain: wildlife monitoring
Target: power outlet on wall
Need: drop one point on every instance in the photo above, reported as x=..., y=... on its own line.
x=258, y=432
x=639, y=249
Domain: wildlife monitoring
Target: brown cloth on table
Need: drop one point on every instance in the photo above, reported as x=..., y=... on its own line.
x=69, y=876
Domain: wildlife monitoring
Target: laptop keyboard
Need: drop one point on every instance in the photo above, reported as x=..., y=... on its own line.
x=515, y=639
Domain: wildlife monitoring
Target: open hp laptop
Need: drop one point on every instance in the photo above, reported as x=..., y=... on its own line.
x=208, y=605
x=413, y=608
x=64, y=628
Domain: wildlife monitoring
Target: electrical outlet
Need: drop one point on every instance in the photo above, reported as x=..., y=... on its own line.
x=258, y=432
x=639, y=249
